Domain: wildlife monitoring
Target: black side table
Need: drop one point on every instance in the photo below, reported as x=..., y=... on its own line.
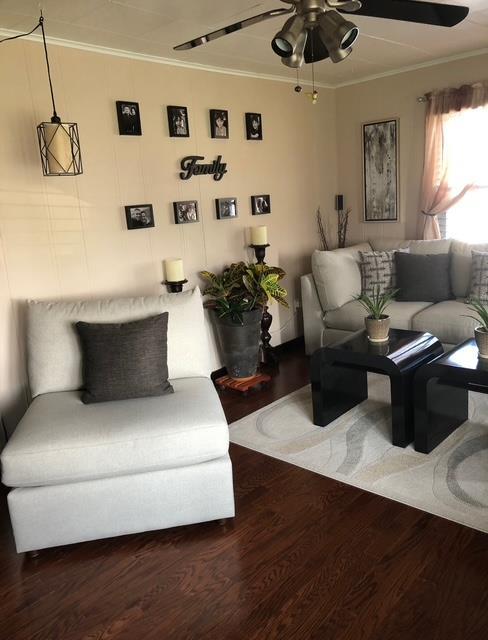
x=339, y=376
x=441, y=393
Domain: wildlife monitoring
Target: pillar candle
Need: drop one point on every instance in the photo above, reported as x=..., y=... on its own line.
x=174, y=270
x=259, y=235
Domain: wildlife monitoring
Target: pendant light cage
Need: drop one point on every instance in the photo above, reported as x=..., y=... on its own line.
x=59, y=145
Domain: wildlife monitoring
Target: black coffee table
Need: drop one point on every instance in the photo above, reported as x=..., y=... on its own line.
x=339, y=376
x=441, y=393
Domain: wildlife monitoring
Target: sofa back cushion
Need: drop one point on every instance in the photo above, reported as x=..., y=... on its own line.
x=461, y=265
x=422, y=247
x=53, y=347
x=337, y=275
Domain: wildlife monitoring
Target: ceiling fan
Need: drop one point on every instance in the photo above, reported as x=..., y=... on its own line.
x=316, y=29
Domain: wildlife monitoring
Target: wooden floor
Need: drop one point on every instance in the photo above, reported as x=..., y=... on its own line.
x=306, y=557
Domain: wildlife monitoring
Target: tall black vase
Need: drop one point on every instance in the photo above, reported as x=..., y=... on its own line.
x=240, y=343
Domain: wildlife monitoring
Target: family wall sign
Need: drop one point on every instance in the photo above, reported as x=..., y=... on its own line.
x=190, y=167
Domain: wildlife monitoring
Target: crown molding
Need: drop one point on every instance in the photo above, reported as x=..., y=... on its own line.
x=143, y=57
x=415, y=67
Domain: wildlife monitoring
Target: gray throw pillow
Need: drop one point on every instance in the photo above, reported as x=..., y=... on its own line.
x=423, y=278
x=378, y=272
x=124, y=360
x=479, y=276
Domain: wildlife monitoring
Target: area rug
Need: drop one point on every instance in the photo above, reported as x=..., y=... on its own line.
x=451, y=482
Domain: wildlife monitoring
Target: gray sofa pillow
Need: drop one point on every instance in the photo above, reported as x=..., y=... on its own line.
x=124, y=360
x=423, y=278
x=479, y=276
x=378, y=271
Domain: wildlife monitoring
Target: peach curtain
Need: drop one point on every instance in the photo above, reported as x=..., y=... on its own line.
x=438, y=195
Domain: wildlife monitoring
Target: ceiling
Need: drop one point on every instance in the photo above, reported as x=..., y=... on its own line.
x=153, y=27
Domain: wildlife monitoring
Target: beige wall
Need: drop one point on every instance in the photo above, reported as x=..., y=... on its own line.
x=390, y=97
x=66, y=237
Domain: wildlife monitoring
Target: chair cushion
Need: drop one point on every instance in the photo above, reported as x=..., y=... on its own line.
x=61, y=440
x=446, y=320
x=351, y=316
x=124, y=360
x=337, y=275
x=54, y=352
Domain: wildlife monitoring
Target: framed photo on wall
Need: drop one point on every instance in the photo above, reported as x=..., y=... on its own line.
x=129, y=118
x=254, y=126
x=260, y=205
x=380, y=171
x=219, y=123
x=226, y=208
x=178, y=124
x=185, y=211
x=139, y=216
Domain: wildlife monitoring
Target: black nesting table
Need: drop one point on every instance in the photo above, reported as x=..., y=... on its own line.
x=339, y=376
x=441, y=393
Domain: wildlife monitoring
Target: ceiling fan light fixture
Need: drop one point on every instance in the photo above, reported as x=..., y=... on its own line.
x=285, y=41
x=337, y=34
x=296, y=60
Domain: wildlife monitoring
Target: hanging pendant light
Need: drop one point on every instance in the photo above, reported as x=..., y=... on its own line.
x=59, y=142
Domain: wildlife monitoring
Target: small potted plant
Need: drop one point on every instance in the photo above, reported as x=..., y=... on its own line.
x=480, y=332
x=377, y=322
x=238, y=297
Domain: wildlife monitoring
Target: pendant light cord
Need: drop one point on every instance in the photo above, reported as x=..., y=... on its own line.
x=40, y=25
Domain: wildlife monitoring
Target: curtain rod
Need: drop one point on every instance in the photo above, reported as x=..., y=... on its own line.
x=422, y=99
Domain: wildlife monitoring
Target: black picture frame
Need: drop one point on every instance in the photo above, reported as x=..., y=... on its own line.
x=219, y=132
x=260, y=205
x=381, y=187
x=226, y=208
x=128, y=118
x=186, y=211
x=254, y=126
x=178, y=122
x=139, y=216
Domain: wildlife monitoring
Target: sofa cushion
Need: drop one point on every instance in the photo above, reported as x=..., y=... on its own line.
x=479, y=277
x=415, y=246
x=61, y=440
x=124, y=360
x=378, y=272
x=337, y=275
x=423, y=277
x=447, y=321
x=54, y=352
x=351, y=316
x=461, y=263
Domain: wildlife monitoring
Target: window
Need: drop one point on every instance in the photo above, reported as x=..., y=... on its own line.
x=466, y=141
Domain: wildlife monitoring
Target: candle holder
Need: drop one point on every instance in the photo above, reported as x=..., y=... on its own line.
x=259, y=252
x=174, y=287
x=268, y=354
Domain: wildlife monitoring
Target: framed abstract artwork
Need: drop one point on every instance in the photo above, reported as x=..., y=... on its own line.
x=380, y=171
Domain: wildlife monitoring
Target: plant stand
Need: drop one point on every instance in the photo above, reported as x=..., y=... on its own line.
x=245, y=385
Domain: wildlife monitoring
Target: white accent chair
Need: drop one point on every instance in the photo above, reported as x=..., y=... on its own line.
x=83, y=472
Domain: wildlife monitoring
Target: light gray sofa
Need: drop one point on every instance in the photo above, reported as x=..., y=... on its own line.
x=330, y=313
x=82, y=472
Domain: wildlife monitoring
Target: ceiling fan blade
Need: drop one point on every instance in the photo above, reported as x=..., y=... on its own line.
x=442, y=15
x=315, y=49
x=232, y=28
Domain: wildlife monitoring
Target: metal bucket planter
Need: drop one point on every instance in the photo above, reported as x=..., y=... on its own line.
x=377, y=329
x=481, y=337
x=240, y=344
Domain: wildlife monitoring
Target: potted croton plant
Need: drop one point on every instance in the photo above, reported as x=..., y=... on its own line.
x=238, y=297
x=377, y=322
x=480, y=332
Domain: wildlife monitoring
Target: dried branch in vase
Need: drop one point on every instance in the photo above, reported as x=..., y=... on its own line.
x=343, y=220
x=322, y=231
